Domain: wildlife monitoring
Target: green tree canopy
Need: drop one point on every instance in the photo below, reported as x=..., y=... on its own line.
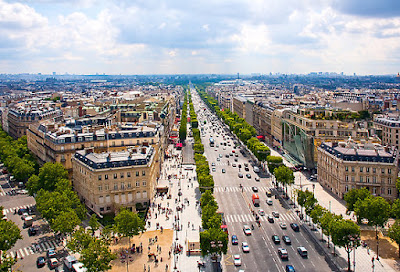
x=213, y=236
x=352, y=196
x=128, y=223
x=394, y=233
x=48, y=177
x=9, y=235
x=284, y=175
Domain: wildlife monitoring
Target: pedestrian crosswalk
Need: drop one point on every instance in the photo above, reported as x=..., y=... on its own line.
x=221, y=189
x=34, y=248
x=11, y=210
x=248, y=218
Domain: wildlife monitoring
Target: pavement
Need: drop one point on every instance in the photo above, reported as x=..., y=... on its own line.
x=363, y=255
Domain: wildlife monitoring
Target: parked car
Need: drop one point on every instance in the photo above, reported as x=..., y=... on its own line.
x=32, y=231
x=51, y=253
x=53, y=263
x=269, y=201
x=295, y=227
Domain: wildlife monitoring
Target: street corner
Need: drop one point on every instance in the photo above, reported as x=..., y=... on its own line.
x=150, y=249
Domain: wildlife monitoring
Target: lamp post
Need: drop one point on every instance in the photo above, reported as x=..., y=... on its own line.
x=313, y=188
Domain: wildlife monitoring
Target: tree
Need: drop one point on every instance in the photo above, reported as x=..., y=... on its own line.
x=394, y=233
x=213, y=236
x=284, y=175
x=48, y=177
x=94, y=224
x=377, y=211
x=395, y=210
x=316, y=215
x=274, y=162
x=328, y=220
x=346, y=233
x=6, y=262
x=206, y=198
x=9, y=235
x=352, y=196
x=128, y=223
x=65, y=222
x=207, y=212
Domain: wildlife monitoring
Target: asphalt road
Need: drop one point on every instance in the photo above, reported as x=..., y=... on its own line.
x=237, y=207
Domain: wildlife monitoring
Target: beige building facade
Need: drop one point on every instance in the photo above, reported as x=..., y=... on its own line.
x=389, y=127
x=344, y=166
x=105, y=182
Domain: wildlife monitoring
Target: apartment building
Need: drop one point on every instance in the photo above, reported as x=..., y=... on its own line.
x=306, y=128
x=262, y=114
x=57, y=142
x=346, y=165
x=239, y=106
x=19, y=118
x=388, y=127
x=107, y=181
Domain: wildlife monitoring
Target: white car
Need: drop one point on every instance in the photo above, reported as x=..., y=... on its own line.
x=246, y=230
x=261, y=212
x=236, y=260
x=269, y=201
x=245, y=247
x=283, y=225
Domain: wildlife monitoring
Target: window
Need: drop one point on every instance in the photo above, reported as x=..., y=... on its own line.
x=389, y=180
x=367, y=169
x=346, y=188
x=389, y=191
x=361, y=169
x=128, y=174
x=383, y=170
x=122, y=186
x=361, y=179
x=101, y=199
x=143, y=173
x=100, y=188
x=374, y=179
x=108, y=208
x=144, y=183
x=347, y=169
x=115, y=186
x=105, y=176
x=347, y=178
x=138, y=195
x=367, y=179
x=389, y=171
x=373, y=170
x=107, y=187
x=108, y=199
x=99, y=177
x=137, y=183
x=122, y=143
x=353, y=169
x=374, y=190
x=115, y=176
x=353, y=179
x=102, y=209
x=144, y=194
x=137, y=173
x=122, y=175
x=113, y=143
x=129, y=185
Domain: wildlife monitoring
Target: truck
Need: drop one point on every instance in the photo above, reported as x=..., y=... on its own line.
x=256, y=200
x=28, y=221
x=78, y=267
x=69, y=261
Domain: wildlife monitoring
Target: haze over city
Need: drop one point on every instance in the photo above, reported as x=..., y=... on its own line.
x=223, y=37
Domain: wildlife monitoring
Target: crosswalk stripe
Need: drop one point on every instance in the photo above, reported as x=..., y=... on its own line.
x=41, y=245
x=26, y=251
x=243, y=218
x=31, y=250
x=47, y=245
x=12, y=254
x=21, y=253
x=236, y=218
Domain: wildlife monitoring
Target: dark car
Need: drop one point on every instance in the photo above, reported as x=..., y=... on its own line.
x=295, y=227
x=22, y=211
x=32, y=231
x=270, y=219
x=255, y=189
x=275, y=239
x=286, y=240
x=234, y=240
x=248, y=176
x=40, y=261
x=290, y=268
x=275, y=214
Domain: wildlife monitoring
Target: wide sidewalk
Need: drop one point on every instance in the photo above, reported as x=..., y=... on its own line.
x=328, y=201
x=185, y=220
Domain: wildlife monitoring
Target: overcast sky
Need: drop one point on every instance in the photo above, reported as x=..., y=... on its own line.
x=207, y=36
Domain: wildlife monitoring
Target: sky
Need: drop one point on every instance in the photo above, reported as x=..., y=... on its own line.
x=199, y=37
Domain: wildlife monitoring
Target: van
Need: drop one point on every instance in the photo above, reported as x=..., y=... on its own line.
x=302, y=251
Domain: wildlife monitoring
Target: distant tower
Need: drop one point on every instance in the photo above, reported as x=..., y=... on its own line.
x=398, y=77
x=238, y=75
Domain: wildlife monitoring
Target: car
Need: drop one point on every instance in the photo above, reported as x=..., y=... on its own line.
x=25, y=215
x=234, y=240
x=217, y=145
x=213, y=164
x=246, y=169
x=248, y=176
x=255, y=189
x=53, y=263
x=270, y=218
x=261, y=212
x=214, y=169
x=233, y=164
x=51, y=253
x=32, y=231
x=269, y=201
x=236, y=260
x=282, y=225
x=21, y=211
x=220, y=155
x=283, y=254
x=257, y=178
x=235, y=159
x=218, y=159
x=246, y=230
x=275, y=239
x=290, y=268
x=224, y=148
x=245, y=247
x=240, y=175
x=230, y=154
x=302, y=251
x=239, y=165
x=286, y=240
x=223, y=170
x=233, y=151
x=295, y=227
x=236, y=155
x=40, y=262
x=275, y=214
x=227, y=156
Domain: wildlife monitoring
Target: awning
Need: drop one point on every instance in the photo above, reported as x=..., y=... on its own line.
x=179, y=145
x=260, y=137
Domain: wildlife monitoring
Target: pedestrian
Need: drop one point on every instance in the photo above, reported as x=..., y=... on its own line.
x=144, y=267
x=148, y=268
x=166, y=267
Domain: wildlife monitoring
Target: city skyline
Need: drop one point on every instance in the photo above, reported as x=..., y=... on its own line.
x=222, y=37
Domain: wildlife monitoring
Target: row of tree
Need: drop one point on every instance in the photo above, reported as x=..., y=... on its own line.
x=213, y=240
x=376, y=210
x=205, y=179
x=183, y=125
x=198, y=147
x=16, y=157
x=245, y=132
